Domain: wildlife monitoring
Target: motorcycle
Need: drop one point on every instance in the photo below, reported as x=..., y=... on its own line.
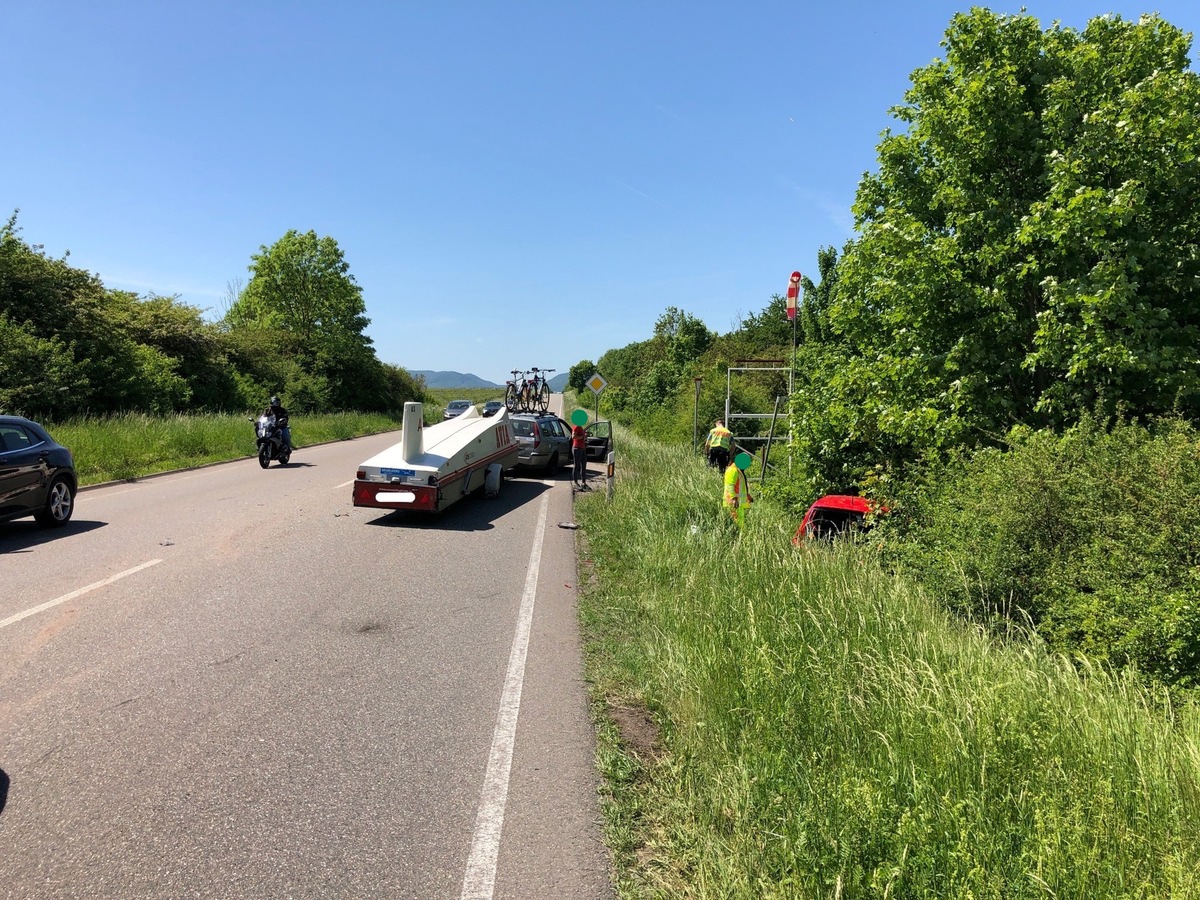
x=270, y=441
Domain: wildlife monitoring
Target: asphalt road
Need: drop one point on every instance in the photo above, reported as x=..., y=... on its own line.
x=229, y=682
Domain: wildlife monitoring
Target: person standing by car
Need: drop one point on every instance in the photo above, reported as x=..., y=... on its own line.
x=579, y=456
x=737, y=489
x=277, y=410
x=717, y=445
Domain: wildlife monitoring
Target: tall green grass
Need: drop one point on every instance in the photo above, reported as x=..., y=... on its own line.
x=132, y=445
x=441, y=396
x=828, y=731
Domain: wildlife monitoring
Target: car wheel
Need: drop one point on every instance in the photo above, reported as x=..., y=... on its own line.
x=60, y=503
x=553, y=464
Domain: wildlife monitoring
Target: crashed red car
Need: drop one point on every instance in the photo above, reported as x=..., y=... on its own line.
x=835, y=514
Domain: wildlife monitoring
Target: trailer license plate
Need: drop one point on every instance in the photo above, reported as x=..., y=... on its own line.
x=397, y=473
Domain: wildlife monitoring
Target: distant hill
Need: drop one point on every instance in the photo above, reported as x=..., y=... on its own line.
x=453, y=380
x=558, y=383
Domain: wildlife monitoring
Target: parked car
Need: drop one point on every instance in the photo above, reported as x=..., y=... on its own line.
x=456, y=408
x=599, y=440
x=543, y=442
x=834, y=515
x=37, y=474
x=492, y=407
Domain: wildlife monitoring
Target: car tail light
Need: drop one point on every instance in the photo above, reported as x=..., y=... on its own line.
x=537, y=436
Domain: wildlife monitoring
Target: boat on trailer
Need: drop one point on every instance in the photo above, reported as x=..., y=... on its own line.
x=436, y=465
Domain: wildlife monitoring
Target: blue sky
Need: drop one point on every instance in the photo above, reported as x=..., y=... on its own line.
x=513, y=184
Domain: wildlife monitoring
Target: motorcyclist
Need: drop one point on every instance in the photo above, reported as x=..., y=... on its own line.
x=276, y=409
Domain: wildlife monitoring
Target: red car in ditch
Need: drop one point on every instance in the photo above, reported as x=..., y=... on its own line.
x=834, y=515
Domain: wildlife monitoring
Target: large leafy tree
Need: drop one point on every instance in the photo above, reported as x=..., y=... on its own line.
x=301, y=287
x=302, y=284
x=1027, y=247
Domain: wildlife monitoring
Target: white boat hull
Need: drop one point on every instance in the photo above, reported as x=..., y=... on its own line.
x=436, y=465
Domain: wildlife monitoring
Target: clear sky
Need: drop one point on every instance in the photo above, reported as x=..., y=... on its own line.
x=513, y=184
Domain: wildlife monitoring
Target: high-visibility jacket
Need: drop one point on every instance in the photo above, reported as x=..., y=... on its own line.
x=737, y=492
x=719, y=437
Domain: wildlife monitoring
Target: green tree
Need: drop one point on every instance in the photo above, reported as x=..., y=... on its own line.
x=1027, y=246
x=95, y=361
x=814, y=324
x=179, y=332
x=301, y=287
x=1113, y=242
x=579, y=374
x=38, y=376
x=663, y=362
x=683, y=336
x=769, y=328
x=622, y=366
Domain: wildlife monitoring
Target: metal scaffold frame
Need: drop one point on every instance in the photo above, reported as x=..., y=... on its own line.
x=757, y=366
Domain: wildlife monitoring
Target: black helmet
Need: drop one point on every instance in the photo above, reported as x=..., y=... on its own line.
x=274, y=402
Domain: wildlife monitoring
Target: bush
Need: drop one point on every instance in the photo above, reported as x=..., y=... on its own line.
x=1094, y=536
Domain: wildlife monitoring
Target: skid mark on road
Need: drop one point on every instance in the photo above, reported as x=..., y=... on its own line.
x=49, y=604
x=479, y=882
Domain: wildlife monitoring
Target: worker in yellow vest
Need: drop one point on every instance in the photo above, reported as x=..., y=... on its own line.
x=737, y=488
x=718, y=445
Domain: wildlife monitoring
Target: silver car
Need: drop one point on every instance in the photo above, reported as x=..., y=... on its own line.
x=543, y=442
x=456, y=408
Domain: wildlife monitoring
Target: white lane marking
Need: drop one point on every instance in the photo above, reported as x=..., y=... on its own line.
x=479, y=882
x=4, y=623
x=344, y=484
x=84, y=495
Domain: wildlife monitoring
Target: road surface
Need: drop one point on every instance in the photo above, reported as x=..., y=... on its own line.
x=229, y=682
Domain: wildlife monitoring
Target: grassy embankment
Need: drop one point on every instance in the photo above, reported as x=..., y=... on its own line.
x=112, y=448
x=798, y=723
x=135, y=445
x=478, y=396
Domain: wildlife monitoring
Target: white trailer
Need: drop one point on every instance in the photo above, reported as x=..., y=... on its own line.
x=435, y=465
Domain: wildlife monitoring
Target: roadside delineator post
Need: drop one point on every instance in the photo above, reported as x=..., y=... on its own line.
x=612, y=465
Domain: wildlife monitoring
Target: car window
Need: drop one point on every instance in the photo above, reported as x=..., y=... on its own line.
x=522, y=427
x=599, y=430
x=551, y=425
x=14, y=438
